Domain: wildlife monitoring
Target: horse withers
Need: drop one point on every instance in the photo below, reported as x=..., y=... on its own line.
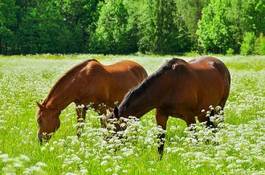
x=89, y=82
x=179, y=89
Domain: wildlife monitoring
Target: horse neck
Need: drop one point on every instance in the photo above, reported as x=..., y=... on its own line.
x=144, y=103
x=59, y=97
x=64, y=91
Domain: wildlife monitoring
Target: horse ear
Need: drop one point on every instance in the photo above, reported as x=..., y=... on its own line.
x=39, y=105
x=116, y=112
x=179, y=67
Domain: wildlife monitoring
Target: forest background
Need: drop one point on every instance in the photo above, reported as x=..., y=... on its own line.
x=130, y=26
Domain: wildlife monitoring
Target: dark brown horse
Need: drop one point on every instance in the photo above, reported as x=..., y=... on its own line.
x=86, y=83
x=180, y=89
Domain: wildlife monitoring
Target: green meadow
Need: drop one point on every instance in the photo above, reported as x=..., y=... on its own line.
x=237, y=148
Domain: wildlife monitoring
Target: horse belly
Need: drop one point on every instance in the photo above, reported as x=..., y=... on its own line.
x=119, y=90
x=120, y=84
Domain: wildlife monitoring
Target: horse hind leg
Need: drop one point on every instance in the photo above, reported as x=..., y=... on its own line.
x=81, y=117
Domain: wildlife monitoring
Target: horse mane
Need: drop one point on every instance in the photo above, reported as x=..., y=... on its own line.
x=66, y=76
x=150, y=79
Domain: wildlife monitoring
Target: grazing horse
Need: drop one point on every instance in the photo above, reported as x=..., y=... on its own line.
x=89, y=82
x=179, y=89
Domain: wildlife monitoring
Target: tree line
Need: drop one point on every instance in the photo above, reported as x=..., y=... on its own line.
x=129, y=26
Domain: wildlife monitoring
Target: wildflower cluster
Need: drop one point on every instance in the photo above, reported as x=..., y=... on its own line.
x=236, y=146
x=104, y=147
x=232, y=149
x=20, y=165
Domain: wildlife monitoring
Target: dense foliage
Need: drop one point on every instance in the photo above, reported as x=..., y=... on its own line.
x=112, y=34
x=247, y=46
x=161, y=28
x=128, y=26
x=225, y=22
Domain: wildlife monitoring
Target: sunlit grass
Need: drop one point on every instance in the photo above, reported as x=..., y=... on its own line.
x=27, y=79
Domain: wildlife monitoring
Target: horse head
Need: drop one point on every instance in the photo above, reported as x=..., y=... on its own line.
x=48, y=121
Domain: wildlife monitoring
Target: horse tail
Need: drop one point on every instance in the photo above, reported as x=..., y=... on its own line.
x=224, y=70
x=221, y=67
x=140, y=72
x=144, y=74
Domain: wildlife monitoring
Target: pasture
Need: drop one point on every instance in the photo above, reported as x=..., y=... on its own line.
x=238, y=148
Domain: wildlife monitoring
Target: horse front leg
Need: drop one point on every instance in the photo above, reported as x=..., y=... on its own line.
x=161, y=120
x=81, y=117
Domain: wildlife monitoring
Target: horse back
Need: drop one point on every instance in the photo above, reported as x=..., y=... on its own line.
x=109, y=83
x=128, y=70
x=207, y=65
x=120, y=72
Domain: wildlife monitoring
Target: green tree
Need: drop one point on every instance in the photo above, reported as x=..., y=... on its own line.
x=253, y=16
x=7, y=25
x=81, y=17
x=247, y=46
x=191, y=12
x=162, y=29
x=215, y=29
x=134, y=15
x=41, y=29
x=225, y=22
x=112, y=33
x=260, y=45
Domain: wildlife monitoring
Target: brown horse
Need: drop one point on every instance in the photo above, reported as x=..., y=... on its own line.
x=86, y=83
x=180, y=89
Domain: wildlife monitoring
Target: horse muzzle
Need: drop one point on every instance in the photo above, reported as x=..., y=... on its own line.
x=44, y=137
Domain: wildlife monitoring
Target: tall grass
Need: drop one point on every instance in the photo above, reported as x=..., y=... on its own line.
x=238, y=148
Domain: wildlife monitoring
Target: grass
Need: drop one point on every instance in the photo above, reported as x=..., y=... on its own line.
x=24, y=80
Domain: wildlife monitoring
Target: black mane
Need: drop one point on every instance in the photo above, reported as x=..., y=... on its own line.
x=141, y=88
